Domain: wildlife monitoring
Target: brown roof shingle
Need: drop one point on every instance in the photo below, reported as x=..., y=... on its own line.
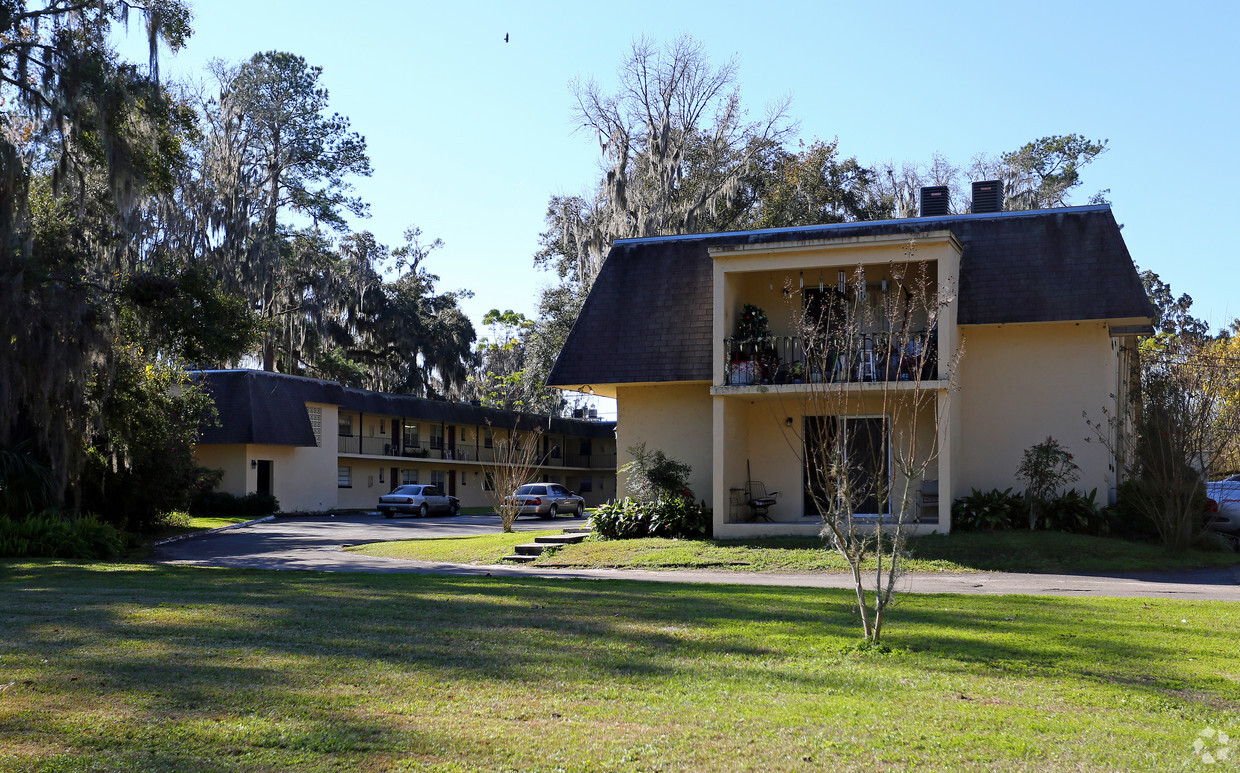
x=648, y=318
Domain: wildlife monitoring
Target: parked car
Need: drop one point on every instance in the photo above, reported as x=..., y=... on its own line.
x=547, y=500
x=1223, y=506
x=412, y=499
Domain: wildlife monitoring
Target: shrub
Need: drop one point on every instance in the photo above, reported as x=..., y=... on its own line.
x=1045, y=468
x=675, y=518
x=1074, y=513
x=1129, y=518
x=50, y=535
x=992, y=510
x=227, y=505
x=652, y=475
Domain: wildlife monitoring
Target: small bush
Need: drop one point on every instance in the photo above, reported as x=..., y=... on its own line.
x=176, y=519
x=675, y=518
x=1126, y=518
x=50, y=535
x=653, y=475
x=992, y=510
x=1073, y=513
x=225, y=505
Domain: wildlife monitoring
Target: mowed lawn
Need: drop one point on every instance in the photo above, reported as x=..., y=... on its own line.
x=1006, y=551
x=152, y=668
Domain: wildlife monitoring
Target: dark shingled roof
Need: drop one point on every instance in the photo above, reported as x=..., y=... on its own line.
x=648, y=318
x=260, y=407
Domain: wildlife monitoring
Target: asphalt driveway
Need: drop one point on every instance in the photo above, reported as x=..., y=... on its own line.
x=315, y=544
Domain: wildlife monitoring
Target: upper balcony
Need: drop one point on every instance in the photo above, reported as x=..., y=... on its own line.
x=878, y=312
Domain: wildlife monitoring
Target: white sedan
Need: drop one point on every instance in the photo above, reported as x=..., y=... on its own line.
x=1223, y=509
x=413, y=499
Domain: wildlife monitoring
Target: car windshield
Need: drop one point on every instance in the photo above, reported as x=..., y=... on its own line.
x=532, y=490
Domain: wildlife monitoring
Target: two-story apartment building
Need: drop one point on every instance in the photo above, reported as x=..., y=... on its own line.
x=317, y=445
x=1037, y=317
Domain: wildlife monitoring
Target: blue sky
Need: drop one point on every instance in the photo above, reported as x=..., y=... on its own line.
x=469, y=136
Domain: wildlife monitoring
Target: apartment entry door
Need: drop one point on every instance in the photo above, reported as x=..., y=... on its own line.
x=451, y=483
x=862, y=444
x=264, y=476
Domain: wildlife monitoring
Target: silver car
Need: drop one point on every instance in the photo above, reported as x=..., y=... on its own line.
x=547, y=500
x=417, y=499
x=1223, y=510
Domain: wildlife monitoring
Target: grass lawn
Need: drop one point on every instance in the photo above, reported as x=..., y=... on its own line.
x=140, y=667
x=1010, y=551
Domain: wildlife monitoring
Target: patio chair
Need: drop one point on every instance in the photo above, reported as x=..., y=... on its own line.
x=928, y=502
x=759, y=500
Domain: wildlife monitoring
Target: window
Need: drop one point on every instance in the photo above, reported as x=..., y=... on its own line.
x=585, y=447
x=346, y=425
x=316, y=422
x=438, y=479
x=380, y=474
x=344, y=477
x=436, y=436
x=864, y=442
x=464, y=478
x=411, y=434
x=488, y=439
x=587, y=484
x=408, y=476
x=488, y=482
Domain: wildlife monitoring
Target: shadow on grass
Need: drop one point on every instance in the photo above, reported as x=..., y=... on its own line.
x=184, y=636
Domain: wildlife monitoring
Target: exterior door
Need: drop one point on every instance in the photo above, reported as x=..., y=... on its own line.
x=451, y=481
x=264, y=476
x=452, y=446
x=394, y=481
x=862, y=445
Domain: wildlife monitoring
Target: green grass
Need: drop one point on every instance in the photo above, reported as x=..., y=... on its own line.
x=137, y=667
x=964, y=552
x=488, y=549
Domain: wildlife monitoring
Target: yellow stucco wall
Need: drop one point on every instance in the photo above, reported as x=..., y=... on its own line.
x=1022, y=383
x=675, y=419
x=232, y=461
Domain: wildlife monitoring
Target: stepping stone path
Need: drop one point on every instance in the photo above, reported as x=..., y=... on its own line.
x=530, y=551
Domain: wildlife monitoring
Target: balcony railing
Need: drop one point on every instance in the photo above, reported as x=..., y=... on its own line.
x=877, y=357
x=382, y=446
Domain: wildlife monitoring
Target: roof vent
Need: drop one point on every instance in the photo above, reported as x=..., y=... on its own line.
x=934, y=201
x=988, y=196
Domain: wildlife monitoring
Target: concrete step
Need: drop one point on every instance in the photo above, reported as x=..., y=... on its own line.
x=584, y=529
x=529, y=549
x=521, y=559
x=560, y=539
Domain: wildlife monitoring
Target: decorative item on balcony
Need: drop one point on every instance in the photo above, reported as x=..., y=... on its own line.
x=752, y=324
x=749, y=347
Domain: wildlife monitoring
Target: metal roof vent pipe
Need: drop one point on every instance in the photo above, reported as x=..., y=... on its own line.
x=988, y=196
x=934, y=201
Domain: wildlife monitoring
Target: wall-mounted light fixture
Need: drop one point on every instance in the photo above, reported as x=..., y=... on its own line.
x=788, y=422
x=586, y=389
x=253, y=464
